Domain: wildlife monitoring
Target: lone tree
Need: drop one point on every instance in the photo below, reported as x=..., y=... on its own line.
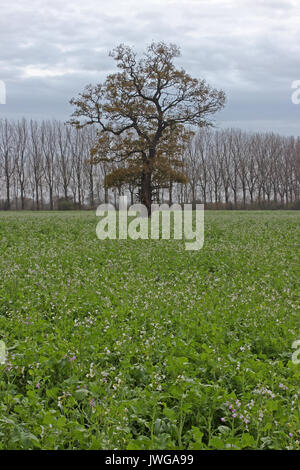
x=167, y=165
x=140, y=107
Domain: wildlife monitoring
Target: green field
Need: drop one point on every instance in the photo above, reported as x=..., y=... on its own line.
x=143, y=345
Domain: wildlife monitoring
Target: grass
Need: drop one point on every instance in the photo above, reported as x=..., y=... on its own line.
x=143, y=345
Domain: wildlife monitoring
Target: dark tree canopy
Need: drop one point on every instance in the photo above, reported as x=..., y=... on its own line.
x=144, y=109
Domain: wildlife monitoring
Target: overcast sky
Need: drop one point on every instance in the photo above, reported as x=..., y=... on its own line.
x=50, y=49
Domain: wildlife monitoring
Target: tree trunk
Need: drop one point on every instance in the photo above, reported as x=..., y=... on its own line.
x=22, y=197
x=171, y=193
x=131, y=196
x=92, y=203
x=106, y=194
x=7, y=204
x=51, y=197
x=37, y=195
x=146, y=190
x=65, y=190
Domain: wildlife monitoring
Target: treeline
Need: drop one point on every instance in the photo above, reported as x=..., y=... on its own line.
x=235, y=169
x=45, y=165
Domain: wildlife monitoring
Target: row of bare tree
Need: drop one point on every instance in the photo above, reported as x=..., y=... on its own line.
x=46, y=166
x=42, y=164
x=240, y=169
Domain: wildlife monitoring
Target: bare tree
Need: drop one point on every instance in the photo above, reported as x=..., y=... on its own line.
x=64, y=156
x=6, y=155
x=21, y=156
x=49, y=153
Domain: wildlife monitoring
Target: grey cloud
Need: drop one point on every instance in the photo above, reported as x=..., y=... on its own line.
x=51, y=49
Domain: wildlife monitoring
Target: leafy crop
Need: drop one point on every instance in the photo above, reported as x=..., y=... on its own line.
x=143, y=345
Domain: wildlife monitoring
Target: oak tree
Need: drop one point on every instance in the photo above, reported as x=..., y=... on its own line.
x=141, y=105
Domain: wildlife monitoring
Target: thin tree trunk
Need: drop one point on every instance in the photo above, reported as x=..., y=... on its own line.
x=146, y=190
